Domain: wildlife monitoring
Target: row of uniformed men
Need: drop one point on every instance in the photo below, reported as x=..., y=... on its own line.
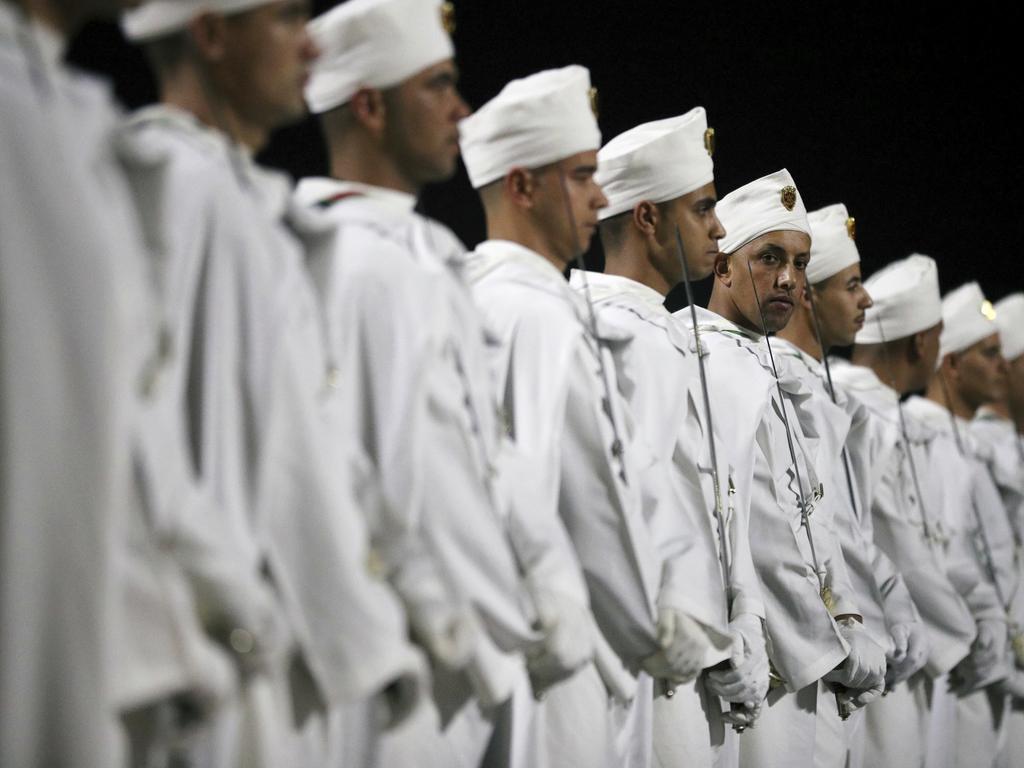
x=343, y=445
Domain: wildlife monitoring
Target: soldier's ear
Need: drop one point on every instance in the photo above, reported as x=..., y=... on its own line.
x=207, y=35
x=645, y=218
x=723, y=268
x=519, y=186
x=368, y=109
x=805, y=295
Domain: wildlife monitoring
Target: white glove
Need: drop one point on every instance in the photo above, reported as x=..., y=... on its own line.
x=1013, y=685
x=566, y=643
x=986, y=657
x=448, y=637
x=243, y=615
x=908, y=654
x=744, y=678
x=863, y=669
x=682, y=642
x=213, y=683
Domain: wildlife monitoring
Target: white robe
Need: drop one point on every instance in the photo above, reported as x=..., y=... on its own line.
x=123, y=484
x=958, y=483
x=550, y=388
x=659, y=376
x=406, y=336
x=804, y=642
x=64, y=452
x=262, y=417
x=882, y=595
x=1004, y=454
x=911, y=531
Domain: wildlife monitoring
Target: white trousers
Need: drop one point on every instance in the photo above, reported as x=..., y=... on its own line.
x=579, y=728
x=420, y=742
x=896, y=725
x=1012, y=753
x=787, y=734
x=980, y=728
x=689, y=730
x=634, y=725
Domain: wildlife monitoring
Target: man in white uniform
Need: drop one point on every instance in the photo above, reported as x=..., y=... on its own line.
x=895, y=353
x=972, y=372
x=997, y=429
x=531, y=151
x=148, y=563
x=814, y=631
x=657, y=177
x=403, y=329
x=828, y=314
x=263, y=422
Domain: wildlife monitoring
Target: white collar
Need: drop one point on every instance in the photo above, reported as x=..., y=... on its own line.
x=789, y=348
x=182, y=120
x=711, y=321
x=508, y=251
x=602, y=286
x=316, y=190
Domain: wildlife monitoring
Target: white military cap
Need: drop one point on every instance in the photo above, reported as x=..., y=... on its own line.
x=1010, y=322
x=769, y=204
x=534, y=121
x=906, y=300
x=156, y=18
x=374, y=44
x=656, y=161
x=833, y=247
x=967, y=318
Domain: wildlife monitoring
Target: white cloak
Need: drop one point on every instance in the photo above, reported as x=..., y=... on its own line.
x=804, y=642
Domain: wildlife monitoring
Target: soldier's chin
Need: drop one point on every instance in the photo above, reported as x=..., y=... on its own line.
x=777, y=319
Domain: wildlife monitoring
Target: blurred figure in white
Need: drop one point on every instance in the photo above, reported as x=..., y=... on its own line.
x=265, y=431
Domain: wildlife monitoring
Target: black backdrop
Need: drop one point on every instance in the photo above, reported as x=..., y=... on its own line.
x=907, y=118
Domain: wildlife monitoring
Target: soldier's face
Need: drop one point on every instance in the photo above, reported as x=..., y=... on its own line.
x=566, y=194
x=421, y=129
x=700, y=230
x=267, y=59
x=776, y=263
x=981, y=372
x=1015, y=384
x=841, y=301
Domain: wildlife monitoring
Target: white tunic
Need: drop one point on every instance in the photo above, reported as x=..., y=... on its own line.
x=804, y=640
x=910, y=532
x=549, y=383
x=261, y=417
x=1000, y=445
x=405, y=336
x=962, y=488
x=882, y=595
x=118, y=628
x=659, y=376
x=64, y=400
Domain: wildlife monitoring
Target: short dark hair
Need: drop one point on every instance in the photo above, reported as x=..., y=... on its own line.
x=613, y=229
x=166, y=53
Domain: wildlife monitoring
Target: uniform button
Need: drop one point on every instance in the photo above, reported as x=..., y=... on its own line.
x=241, y=641
x=333, y=378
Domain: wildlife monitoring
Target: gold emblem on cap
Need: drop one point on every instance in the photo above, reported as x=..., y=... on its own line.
x=709, y=141
x=988, y=310
x=788, y=195
x=851, y=228
x=448, y=17
x=592, y=95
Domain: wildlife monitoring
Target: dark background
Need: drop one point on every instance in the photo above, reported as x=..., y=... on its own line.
x=906, y=117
